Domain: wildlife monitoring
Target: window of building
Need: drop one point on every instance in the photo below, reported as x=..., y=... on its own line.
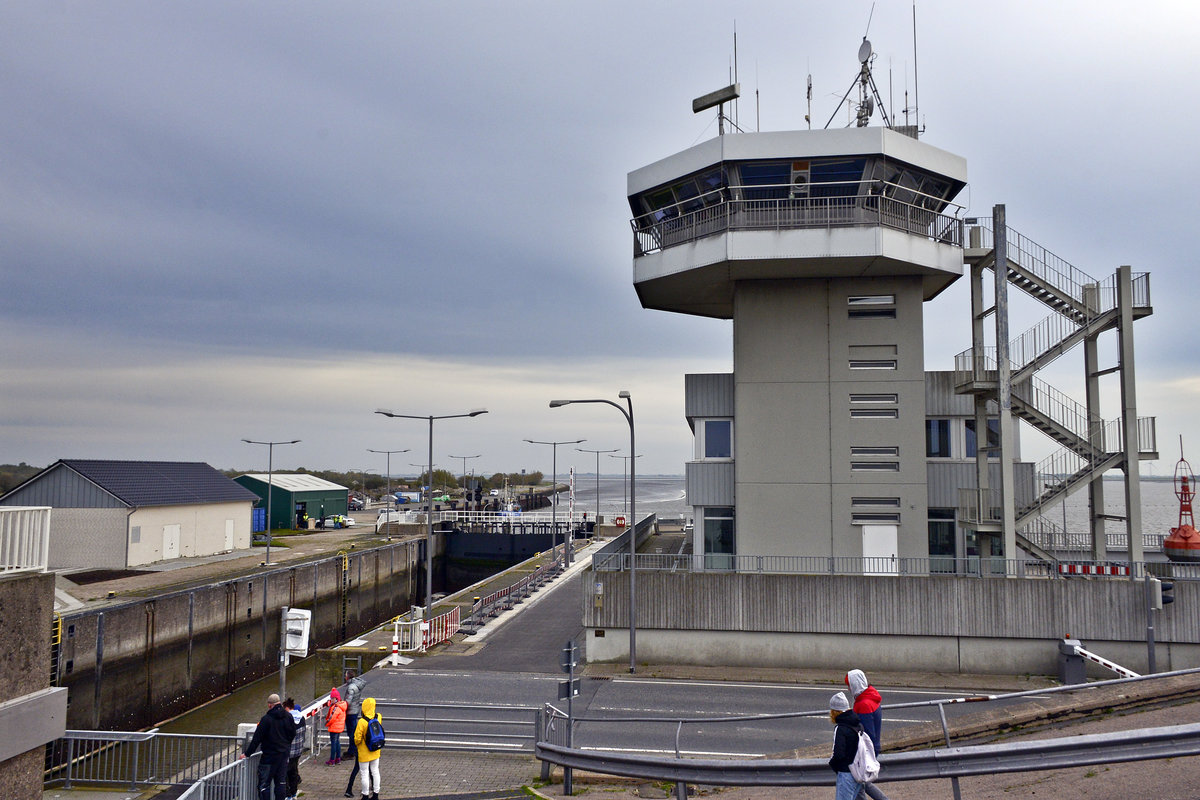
x=875, y=466
x=874, y=450
x=872, y=363
x=135, y=534
x=874, y=413
x=875, y=518
x=937, y=438
x=871, y=306
x=714, y=439
x=718, y=537
x=993, y=437
x=942, y=548
x=871, y=399
x=875, y=502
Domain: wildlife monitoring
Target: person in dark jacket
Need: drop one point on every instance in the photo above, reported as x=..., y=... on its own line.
x=354, y=698
x=273, y=737
x=296, y=751
x=845, y=746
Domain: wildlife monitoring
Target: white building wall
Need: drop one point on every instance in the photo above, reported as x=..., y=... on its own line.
x=201, y=530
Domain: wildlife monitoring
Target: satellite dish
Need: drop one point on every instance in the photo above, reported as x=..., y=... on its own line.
x=864, y=51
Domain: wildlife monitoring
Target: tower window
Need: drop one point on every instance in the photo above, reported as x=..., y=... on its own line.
x=874, y=413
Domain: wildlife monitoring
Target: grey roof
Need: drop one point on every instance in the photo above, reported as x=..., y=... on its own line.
x=160, y=483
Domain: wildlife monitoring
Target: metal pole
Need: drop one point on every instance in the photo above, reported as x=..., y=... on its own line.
x=946, y=733
x=429, y=531
x=270, y=481
x=1151, y=661
x=632, y=539
x=598, y=452
x=283, y=655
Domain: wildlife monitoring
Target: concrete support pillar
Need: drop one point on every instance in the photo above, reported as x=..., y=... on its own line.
x=1129, y=419
x=1008, y=512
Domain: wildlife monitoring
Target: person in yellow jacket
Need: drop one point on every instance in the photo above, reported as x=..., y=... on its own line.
x=368, y=760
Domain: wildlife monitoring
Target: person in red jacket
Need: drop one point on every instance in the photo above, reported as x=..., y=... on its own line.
x=335, y=723
x=867, y=704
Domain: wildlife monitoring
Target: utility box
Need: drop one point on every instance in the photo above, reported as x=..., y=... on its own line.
x=1071, y=668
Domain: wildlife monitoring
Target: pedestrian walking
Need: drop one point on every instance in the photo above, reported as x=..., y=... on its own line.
x=369, y=748
x=297, y=750
x=868, y=707
x=845, y=746
x=335, y=724
x=354, y=690
x=273, y=738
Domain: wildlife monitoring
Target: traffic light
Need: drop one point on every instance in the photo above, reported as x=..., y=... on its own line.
x=1162, y=593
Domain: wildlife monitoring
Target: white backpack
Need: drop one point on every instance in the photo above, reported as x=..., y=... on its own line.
x=865, y=767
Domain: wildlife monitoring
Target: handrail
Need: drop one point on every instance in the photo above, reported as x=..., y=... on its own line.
x=729, y=210
x=24, y=539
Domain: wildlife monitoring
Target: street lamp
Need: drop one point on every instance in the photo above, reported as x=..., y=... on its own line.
x=624, y=395
x=554, y=492
x=429, y=503
x=391, y=501
x=270, y=473
x=467, y=494
x=625, y=481
x=597, y=452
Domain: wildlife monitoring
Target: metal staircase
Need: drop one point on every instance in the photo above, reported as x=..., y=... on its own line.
x=1082, y=308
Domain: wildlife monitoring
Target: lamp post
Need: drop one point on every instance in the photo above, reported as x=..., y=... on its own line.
x=624, y=395
x=597, y=452
x=270, y=480
x=466, y=492
x=625, y=481
x=554, y=491
x=392, y=501
x=429, y=502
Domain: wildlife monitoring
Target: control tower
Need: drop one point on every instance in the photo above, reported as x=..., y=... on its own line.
x=822, y=247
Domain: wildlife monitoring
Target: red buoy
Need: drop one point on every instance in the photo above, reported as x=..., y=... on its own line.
x=1184, y=542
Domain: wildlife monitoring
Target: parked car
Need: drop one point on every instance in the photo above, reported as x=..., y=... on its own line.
x=355, y=504
x=338, y=521
x=494, y=492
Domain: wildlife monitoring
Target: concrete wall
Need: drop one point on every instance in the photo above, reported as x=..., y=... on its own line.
x=201, y=530
x=794, y=434
x=30, y=715
x=938, y=623
x=132, y=664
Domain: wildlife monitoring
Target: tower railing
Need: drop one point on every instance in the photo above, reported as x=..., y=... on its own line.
x=856, y=203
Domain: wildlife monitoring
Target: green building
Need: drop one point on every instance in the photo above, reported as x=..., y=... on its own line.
x=296, y=496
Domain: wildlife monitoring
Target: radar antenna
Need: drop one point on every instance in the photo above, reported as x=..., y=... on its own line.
x=868, y=92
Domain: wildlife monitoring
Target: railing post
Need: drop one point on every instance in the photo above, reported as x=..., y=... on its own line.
x=70, y=761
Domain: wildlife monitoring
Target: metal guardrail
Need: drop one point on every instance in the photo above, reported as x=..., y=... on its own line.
x=502, y=600
x=136, y=759
x=475, y=728
x=236, y=781
x=24, y=539
x=735, y=208
x=947, y=762
x=614, y=556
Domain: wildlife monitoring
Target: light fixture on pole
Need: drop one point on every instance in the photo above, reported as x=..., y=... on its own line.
x=624, y=395
x=596, y=521
x=625, y=481
x=270, y=480
x=391, y=498
x=467, y=491
x=429, y=504
x=554, y=495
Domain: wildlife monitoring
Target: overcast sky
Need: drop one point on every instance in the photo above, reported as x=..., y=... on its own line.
x=265, y=220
